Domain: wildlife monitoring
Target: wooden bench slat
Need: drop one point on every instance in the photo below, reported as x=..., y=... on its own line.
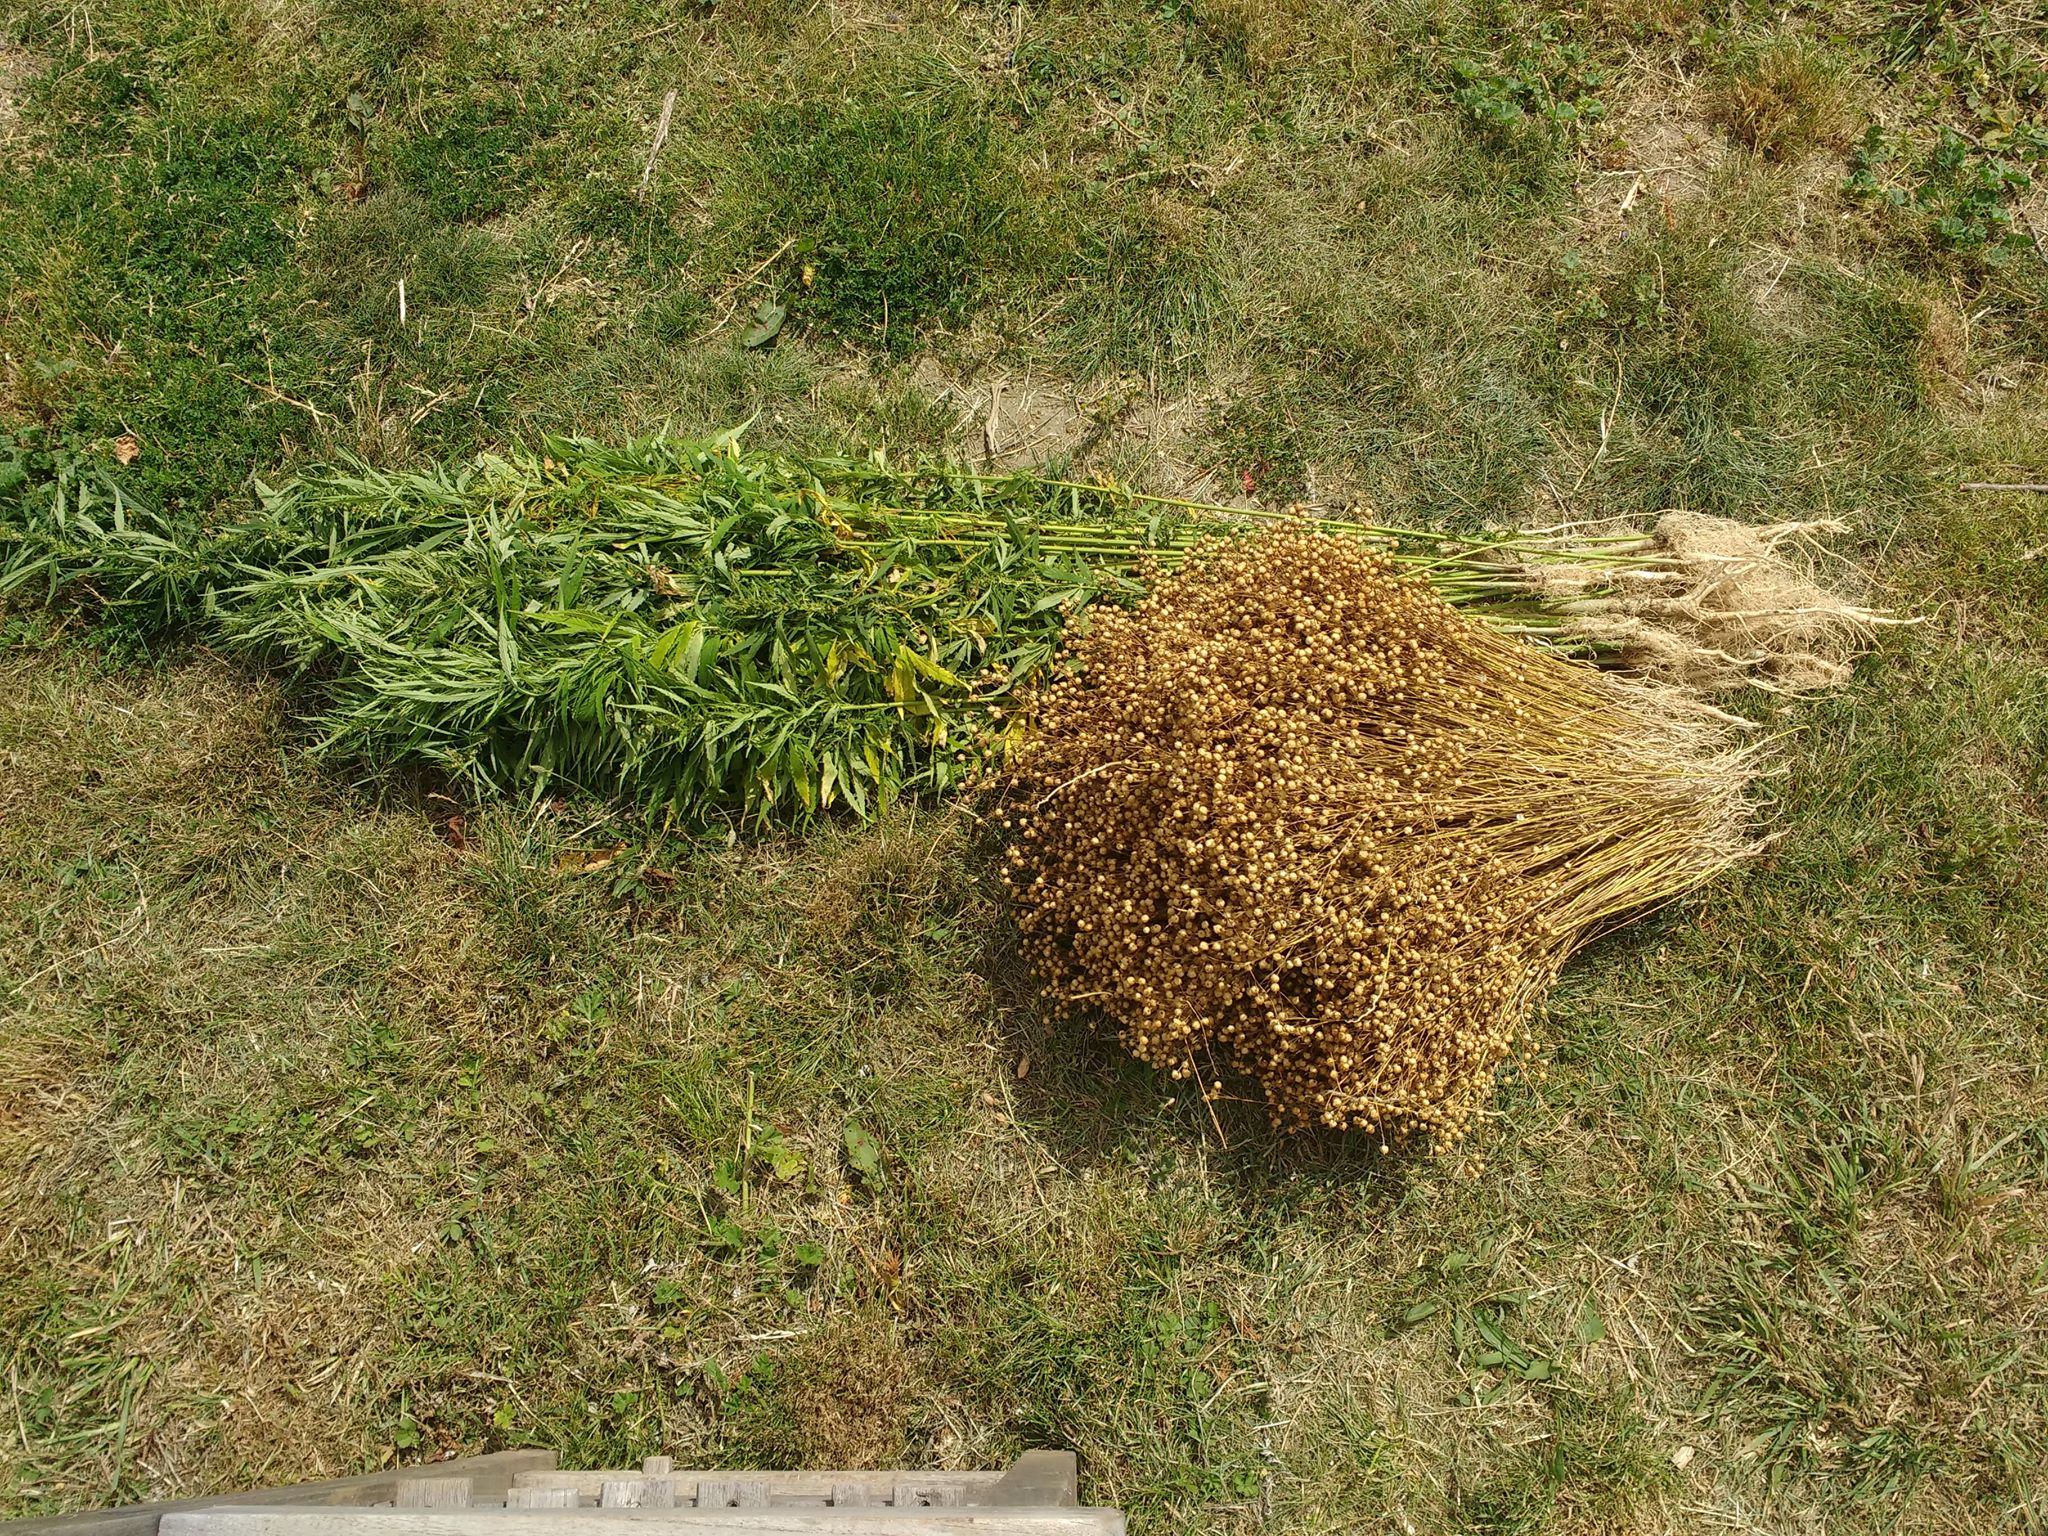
x=925, y=1494
x=229, y=1520
x=540, y=1498
x=489, y=1477
x=433, y=1492
x=881, y=1486
x=732, y=1493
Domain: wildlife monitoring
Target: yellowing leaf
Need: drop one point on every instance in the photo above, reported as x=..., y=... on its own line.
x=584, y=861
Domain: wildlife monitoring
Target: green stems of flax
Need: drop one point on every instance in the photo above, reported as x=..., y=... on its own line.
x=711, y=632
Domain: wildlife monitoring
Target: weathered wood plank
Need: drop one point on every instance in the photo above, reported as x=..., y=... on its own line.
x=1042, y=1478
x=881, y=1486
x=287, y=1521
x=926, y=1494
x=540, y=1498
x=433, y=1492
x=732, y=1493
x=489, y=1477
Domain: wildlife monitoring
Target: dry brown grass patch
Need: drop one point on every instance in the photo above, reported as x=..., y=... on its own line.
x=17, y=68
x=1256, y=36
x=1119, y=425
x=1783, y=101
x=844, y=1395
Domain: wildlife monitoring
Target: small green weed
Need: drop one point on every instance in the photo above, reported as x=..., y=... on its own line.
x=1964, y=188
x=1530, y=102
x=1959, y=165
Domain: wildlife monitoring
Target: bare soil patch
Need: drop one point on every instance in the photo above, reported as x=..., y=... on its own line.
x=1118, y=426
x=17, y=68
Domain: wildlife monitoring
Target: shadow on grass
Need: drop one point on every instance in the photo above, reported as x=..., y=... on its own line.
x=1090, y=1102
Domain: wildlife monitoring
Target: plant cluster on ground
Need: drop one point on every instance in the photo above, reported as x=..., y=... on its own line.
x=351, y=1116
x=1296, y=819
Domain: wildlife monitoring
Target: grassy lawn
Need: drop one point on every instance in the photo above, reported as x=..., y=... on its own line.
x=344, y=1123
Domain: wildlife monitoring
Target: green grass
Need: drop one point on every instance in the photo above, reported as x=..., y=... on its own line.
x=348, y=1122
x=902, y=212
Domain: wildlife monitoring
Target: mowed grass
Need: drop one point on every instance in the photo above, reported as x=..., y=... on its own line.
x=345, y=1123
x=340, y=1131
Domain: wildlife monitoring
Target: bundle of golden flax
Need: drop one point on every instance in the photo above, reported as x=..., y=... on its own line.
x=1295, y=818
